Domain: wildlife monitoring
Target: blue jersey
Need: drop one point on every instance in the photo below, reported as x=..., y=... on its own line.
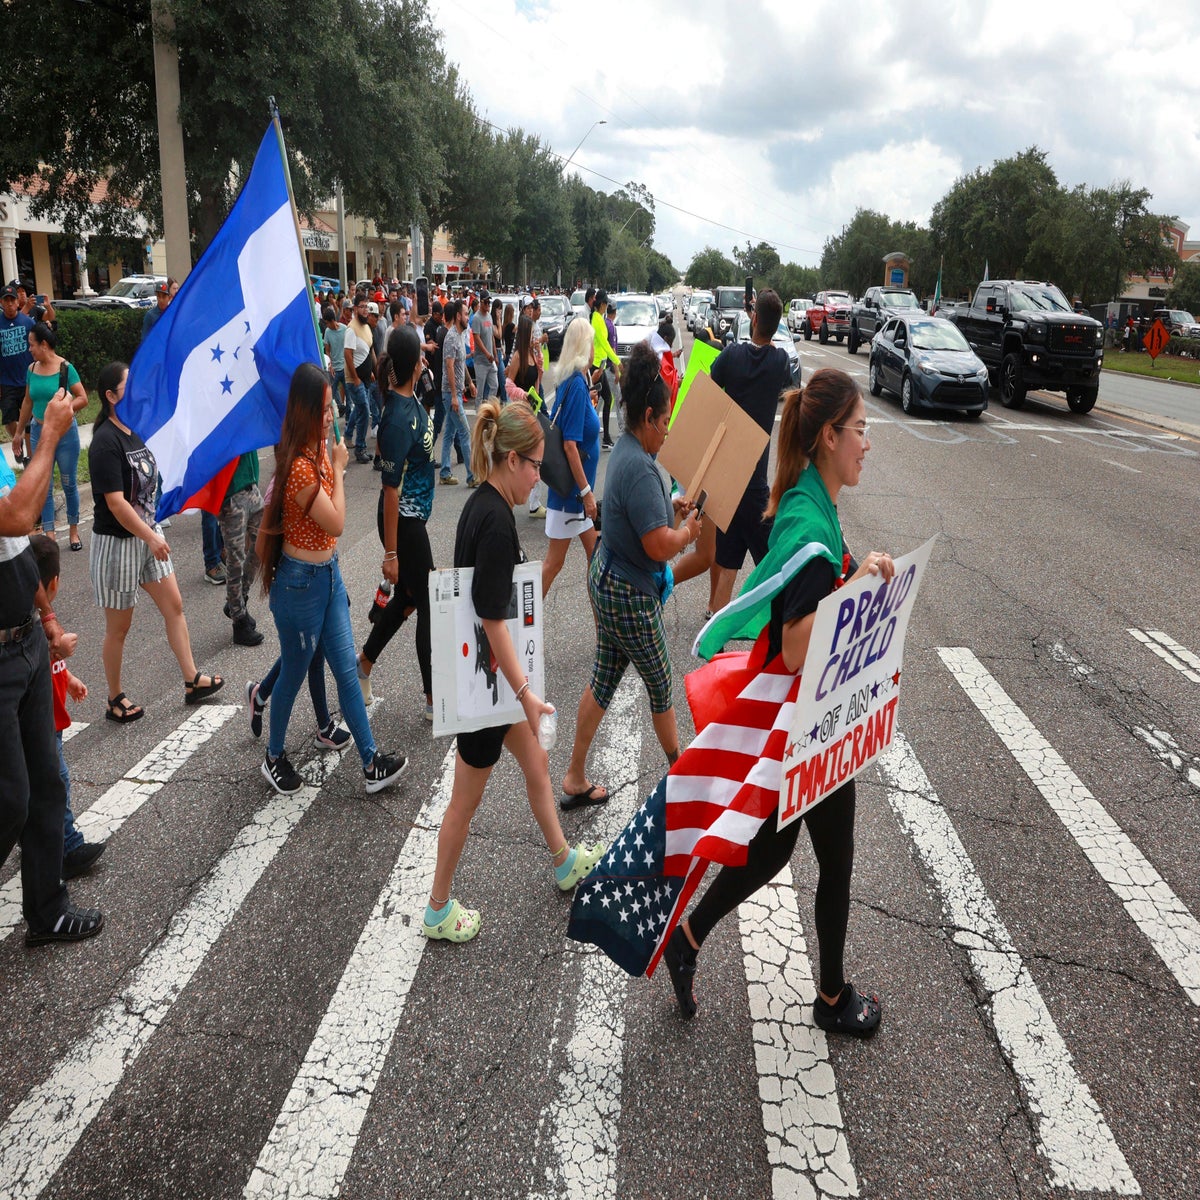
x=405, y=441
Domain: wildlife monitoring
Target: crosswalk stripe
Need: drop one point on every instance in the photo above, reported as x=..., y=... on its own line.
x=1165, y=920
x=44, y=1127
x=72, y=730
x=575, y=1154
x=1168, y=751
x=311, y=1144
x=1170, y=651
x=1071, y=1130
x=129, y=793
x=802, y=1119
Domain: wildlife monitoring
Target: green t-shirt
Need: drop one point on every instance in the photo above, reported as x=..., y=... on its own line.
x=244, y=474
x=43, y=387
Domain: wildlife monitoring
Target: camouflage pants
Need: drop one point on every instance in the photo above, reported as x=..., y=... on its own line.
x=239, y=518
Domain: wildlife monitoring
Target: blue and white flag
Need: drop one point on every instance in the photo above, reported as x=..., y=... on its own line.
x=211, y=380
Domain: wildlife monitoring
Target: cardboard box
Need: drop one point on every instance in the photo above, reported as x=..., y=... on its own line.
x=468, y=692
x=713, y=446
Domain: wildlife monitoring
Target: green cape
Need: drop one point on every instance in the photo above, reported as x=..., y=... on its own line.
x=806, y=527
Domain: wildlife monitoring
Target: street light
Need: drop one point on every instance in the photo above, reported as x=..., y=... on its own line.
x=558, y=272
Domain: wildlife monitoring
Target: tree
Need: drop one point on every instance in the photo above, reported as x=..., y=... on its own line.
x=1185, y=291
x=660, y=273
x=710, y=268
x=791, y=280
x=625, y=266
x=593, y=229
x=632, y=208
x=760, y=261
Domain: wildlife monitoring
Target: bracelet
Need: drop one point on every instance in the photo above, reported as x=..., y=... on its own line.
x=48, y=616
x=522, y=690
x=585, y=490
x=390, y=555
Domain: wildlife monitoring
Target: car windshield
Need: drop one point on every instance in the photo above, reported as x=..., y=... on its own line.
x=636, y=312
x=554, y=306
x=127, y=289
x=730, y=297
x=936, y=335
x=900, y=300
x=577, y=300
x=1181, y=317
x=1042, y=298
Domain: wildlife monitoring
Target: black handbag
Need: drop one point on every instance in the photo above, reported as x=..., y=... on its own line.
x=556, y=471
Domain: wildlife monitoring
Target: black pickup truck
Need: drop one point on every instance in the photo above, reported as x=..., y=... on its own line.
x=1029, y=337
x=868, y=315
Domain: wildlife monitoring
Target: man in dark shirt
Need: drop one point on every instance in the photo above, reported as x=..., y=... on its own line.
x=15, y=360
x=754, y=375
x=33, y=798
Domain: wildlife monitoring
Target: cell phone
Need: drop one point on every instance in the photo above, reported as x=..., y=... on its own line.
x=749, y=300
x=41, y=299
x=701, y=501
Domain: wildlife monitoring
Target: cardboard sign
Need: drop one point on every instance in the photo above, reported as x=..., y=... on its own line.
x=849, y=691
x=468, y=691
x=713, y=447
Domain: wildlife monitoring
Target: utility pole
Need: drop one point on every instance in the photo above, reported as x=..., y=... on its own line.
x=343, y=269
x=176, y=228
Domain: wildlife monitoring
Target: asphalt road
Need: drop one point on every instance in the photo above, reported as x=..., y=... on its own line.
x=261, y=1016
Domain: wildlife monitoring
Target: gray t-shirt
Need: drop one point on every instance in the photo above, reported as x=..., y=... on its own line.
x=454, y=357
x=481, y=327
x=636, y=501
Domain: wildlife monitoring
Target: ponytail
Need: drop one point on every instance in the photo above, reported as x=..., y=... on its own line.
x=499, y=431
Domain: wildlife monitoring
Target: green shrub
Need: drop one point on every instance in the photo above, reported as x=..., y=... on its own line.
x=1185, y=347
x=89, y=338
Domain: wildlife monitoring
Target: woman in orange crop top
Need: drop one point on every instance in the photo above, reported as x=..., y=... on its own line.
x=300, y=573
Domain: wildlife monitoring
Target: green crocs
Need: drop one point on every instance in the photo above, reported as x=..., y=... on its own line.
x=458, y=925
x=586, y=857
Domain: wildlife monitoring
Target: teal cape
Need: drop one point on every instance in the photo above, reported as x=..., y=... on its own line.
x=806, y=527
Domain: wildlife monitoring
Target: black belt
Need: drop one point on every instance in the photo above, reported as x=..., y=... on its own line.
x=18, y=633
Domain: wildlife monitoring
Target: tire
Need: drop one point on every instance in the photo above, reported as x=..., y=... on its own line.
x=852, y=340
x=840, y=336
x=807, y=332
x=974, y=413
x=823, y=335
x=1082, y=400
x=1012, y=385
x=908, y=400
x=874, y=383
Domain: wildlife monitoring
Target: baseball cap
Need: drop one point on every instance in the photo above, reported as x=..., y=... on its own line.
x=10, y=292
x=372, y=309
x=163, y=289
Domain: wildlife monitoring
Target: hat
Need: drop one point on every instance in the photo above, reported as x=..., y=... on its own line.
x=485, y=296
x=380, y=297
x=372, y=309
x=163, y=289
x=10, y=292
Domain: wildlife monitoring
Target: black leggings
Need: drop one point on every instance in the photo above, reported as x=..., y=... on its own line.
x=831, y=829
x=607, y=396
x=414, y=560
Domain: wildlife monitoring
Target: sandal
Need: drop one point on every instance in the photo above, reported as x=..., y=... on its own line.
x=458, y=925
x=196, y=691
x=76, y=544
x=854, y=1014
x=121, y=709
x=594, y=793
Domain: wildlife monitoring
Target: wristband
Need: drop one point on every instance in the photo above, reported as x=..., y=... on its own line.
x=585, y=490
x=49, y=616
x=390, y=555
x=522, y=690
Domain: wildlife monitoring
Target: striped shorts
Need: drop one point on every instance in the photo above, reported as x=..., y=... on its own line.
x=119, y=566
x=630, y=630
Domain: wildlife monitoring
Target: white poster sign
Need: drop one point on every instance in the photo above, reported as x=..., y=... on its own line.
x=846, y=709
x=468, y=691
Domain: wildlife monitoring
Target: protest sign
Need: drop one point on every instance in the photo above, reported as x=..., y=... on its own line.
x=849, y=691
x=468, y=691
x=700, y=361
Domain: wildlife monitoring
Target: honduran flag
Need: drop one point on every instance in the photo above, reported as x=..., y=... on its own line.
x=211, y=380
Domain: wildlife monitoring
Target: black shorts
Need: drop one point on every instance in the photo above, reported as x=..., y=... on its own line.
x=482, y=748
x=12, y=396
x=747, y=531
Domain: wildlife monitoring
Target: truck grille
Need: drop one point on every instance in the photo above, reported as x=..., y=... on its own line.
x=1073, y=339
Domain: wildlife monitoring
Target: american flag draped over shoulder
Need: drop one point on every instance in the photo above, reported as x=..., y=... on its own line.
x=705, y=809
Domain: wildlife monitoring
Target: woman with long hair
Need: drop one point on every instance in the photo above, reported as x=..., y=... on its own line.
x=574, y=413
x=44, y=379
x=506, y=456
x=525, y=370
x=509, y=331
x=405, y=442
x=629, y=577
x=129, y=551
x=823, y=444
x=300, y=528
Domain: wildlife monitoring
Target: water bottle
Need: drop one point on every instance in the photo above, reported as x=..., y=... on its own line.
x=548, y=730
x=382, y=595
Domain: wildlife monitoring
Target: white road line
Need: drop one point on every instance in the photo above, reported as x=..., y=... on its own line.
x=129, y=793
x=1122, y=466
x=1156, y=910
x=312, y=1142
x=575, y=1154
x=1047, y=438
x=1170, y=651
x=75, y=727
x=44, y=1127
x=1072, y=1133
x=1167, y=750
x=806, y=1139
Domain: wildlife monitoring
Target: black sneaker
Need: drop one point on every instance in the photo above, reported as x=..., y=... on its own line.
x=361, y=456
x=281, y=775
x=333, y=736
x=244, y=632
x=76, y=861
x=74, y=925
x=384, y=771
x=256, y=709
x=681, y=964
x=378, y=463
x=249, y=618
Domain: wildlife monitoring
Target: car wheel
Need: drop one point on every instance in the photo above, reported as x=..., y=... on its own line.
x=874, y=381
x=1082, y=400
x=1012, y=385
x=975, y=413
x=852, y=341
x=807, y=333
x=908, y=398
x=840, y=336
x=823, y=336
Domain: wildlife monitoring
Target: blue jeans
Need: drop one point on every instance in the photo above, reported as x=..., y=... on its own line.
x=66, y=456
x=316, y=686
x=375, y=400
x=312, y=611
x=338, y=384
x=210, y=531
x=359, y=419
x=454, y=429
x=71, y=836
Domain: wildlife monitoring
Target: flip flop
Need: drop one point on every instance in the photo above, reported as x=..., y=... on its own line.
x=584, y=799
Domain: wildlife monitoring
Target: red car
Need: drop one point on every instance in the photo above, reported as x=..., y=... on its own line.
x=829, y=316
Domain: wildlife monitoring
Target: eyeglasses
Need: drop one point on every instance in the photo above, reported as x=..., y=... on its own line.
x=861, y=430
x=536, y=463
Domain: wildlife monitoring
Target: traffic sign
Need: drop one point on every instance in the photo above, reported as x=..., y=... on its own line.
x=1156, y=339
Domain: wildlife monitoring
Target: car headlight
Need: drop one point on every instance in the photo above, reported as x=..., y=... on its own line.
x=1037, y=329
x=924, y=366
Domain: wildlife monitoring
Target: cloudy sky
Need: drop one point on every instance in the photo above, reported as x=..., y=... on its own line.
x=779, y=118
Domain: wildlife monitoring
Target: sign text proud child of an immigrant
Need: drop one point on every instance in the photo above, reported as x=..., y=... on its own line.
x=846, y=710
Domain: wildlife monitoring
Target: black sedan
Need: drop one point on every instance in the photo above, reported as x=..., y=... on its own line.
x=926, y=361
x=557, y=314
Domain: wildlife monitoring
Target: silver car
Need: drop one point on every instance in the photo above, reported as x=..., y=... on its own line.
x=783, y=339
x=636, y=319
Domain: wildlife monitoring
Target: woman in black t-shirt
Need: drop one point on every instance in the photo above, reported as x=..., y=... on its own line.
x=506, y=455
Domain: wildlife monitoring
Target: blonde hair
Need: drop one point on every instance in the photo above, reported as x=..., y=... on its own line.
x=578, y=351
x=501, y=430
